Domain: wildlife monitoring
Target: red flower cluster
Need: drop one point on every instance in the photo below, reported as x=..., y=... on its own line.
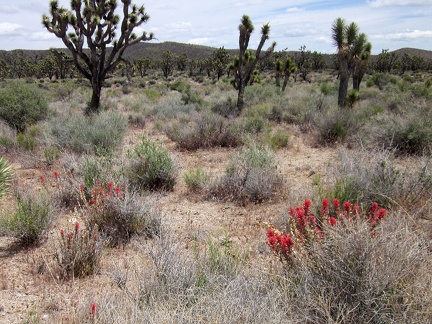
x=376, y=214
x=101, y=193
x=303, y=223
x=279, y=243
x=304, y=227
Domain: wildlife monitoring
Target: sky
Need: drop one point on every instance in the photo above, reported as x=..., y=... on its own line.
x=389, y=24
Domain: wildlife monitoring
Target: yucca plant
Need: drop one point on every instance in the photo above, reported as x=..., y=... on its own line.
x=5, y=176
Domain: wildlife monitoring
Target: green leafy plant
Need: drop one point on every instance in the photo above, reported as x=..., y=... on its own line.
x=151, y=167
x=31, y=219
x=196, y=179
x=22, y=105
x=6, y=174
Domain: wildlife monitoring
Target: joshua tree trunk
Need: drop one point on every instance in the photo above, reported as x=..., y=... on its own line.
x=285, y=82
x=94, y=104
x=343, y=89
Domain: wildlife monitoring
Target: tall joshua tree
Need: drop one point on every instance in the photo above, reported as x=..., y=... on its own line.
x=362, y=53
x=289, y=67
x=349, y=45
x=93, y=23
x=244, y=67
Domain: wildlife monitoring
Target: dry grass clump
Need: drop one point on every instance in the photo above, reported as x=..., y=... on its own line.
x=355, y=276
x=205, y=131
x=374, y=175
x=250, y=176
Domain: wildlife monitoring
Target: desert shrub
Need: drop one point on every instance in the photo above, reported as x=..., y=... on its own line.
x=63, y=189
x=100, y=134
x=7, y=136
x=22, y=105
x=255, y=124
x=355, y=271
x=151, y=167
x=121, y=213
x=326, y=88
x=353, y=97
x=6, y=174
x=334, y=126
x=251, y=175
x=373, y=175
x=410, y=133
x=205, y=131
x=26, y=141
x=381, y=80
x=51, y=154
x=196, y=179
x=225, y=108
x=171, y=106
x=180, y=85
x=277, y=139
x=31, y=219
x=78, y=252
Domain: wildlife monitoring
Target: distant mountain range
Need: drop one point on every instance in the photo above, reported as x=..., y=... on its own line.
x=153, y=50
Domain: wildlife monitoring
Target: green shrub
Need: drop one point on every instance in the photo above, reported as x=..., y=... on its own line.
x=26, y=141
x=334, y=126
x=196, y=179
x=6, y=174
x=326, y=88
x=255, y=124
x=22, y=105
x=353, y=97
x=51, y=153
x=151, y=167
x=100, y=134
x=31, y=219
x=278, y=139
x=225, y=108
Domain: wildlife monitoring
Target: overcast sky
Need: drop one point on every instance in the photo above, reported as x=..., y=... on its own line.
x=389, y=24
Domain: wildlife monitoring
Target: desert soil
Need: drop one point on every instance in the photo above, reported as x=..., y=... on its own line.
x=28, y=286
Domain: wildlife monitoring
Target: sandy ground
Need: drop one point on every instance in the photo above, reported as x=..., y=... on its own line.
x=28, y=287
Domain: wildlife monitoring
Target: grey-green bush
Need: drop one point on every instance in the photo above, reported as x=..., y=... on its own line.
x=250, y=176
x=100, y=134
x=22, y=105
x=31, y=219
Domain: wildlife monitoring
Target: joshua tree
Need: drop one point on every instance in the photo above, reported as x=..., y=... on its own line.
x=93, y=23
x=349, y=46
x=361, y=59
x=244, y=66
x=142, y=65
x=167, y=63
x=221, y=59
x=289, y=68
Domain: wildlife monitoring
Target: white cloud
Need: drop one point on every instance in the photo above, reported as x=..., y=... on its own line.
x=7, y=29
x=293, y=9
x=389, y=3
x=405, y=35
x=180, y=26
x=199, y=41
x=41, y=36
